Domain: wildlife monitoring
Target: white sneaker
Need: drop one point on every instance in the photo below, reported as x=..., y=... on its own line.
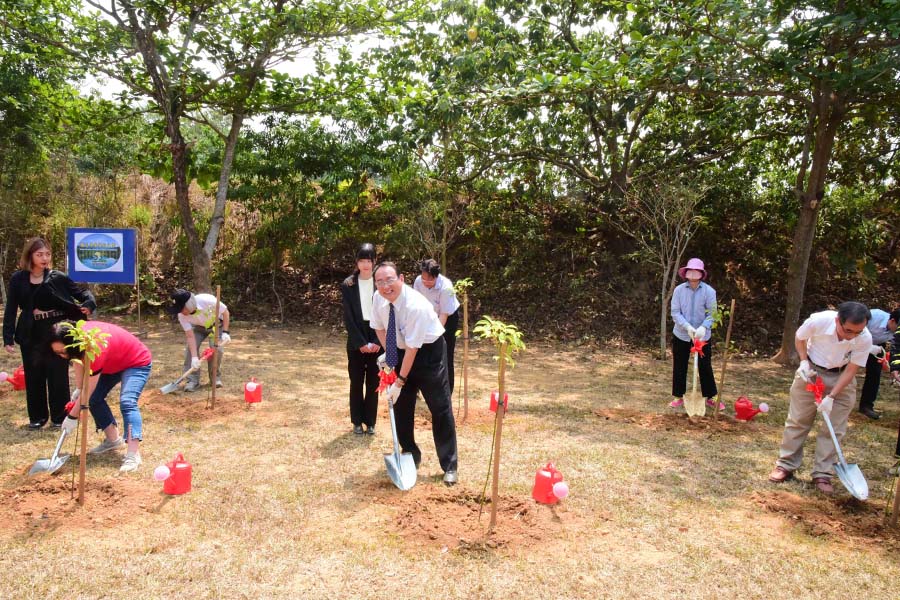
x=106, y=446
x=192, y=386
x=131, y=462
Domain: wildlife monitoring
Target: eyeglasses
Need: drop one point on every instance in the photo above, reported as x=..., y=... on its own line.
x=851, y=332
x=382, y=283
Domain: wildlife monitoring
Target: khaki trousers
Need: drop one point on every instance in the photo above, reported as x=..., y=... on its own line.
x=801, y=417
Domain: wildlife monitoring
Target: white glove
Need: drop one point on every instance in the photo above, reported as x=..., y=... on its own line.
x=825, y=405
x=692, y=333
x=805, y=371
x=224, y=339
x=381, y=361
x=877, y=351
x=69, y=425
x=75, y=395
x=393, y=392
x=701, y=332
x=195, y=363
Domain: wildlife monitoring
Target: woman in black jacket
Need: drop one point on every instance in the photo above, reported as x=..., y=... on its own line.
x=357, y=292
x=44, y=296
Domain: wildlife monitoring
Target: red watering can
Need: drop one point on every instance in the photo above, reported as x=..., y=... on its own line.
x=549, y=487
x=17, y=379
x=252, y=391
x=494, y=396
x=744, y=410
x=179, y=480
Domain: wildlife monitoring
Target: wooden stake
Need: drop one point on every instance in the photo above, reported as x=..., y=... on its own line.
x=83, y=417
x=215, y=357
x=501, y=411
x=725, y=359
x=465, y=333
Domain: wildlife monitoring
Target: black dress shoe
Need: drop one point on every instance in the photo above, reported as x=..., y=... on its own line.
x=35, y=425
x=450, y=478
x=357, y=429
x=870, y=412
x=370, y=429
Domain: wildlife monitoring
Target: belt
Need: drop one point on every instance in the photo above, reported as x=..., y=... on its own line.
x=834, y=370
x=48, y=314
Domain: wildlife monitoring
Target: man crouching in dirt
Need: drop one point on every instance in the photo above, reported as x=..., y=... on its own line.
x=195, y=315
x=832, y=347
x=413, y=342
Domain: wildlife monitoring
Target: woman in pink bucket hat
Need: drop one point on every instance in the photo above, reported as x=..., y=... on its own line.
x=693, y=305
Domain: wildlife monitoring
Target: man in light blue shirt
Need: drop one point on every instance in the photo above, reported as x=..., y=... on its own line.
x=883, y=328
x=692, y=308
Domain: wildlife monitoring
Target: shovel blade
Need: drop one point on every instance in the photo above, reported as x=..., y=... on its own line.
x=46, y=465
x=852, y=478
x=169, y=388
x=695, y=407
x=401, y=469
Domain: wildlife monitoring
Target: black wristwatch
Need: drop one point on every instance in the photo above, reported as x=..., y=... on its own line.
x=401, y=377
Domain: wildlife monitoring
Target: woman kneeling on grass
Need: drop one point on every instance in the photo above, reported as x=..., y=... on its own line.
x=124, y=359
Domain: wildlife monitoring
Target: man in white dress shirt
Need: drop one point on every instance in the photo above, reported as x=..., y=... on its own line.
x=833, y=346
x=421, y=365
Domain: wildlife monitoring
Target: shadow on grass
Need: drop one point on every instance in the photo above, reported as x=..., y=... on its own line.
x=344, y=443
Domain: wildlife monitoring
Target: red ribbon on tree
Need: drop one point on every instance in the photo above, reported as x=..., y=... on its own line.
x=817, y=388
x=697, y=348
x=386, y=378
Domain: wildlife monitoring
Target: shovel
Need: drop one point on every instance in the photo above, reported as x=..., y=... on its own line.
x=52, y=464
x=849, y=474
x=695, y=406
x=171, y=387
x=401, y=468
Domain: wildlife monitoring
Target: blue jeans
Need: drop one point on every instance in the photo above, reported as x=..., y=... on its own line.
x=133, y=382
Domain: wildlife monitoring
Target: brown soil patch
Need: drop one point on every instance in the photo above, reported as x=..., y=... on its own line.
x=447, y=518
x=178, y=407
x=842, y=518
x=477, y=416
x=46, y=502
x=679, y=421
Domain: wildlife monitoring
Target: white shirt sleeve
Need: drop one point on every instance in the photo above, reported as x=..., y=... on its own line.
x=378, y=308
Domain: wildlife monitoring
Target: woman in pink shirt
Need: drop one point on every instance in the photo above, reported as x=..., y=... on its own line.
x=124, y=359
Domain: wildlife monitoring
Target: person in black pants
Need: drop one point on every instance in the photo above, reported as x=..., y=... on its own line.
x=883, y=327
x=412, y=337
x=438, y=289
x=357, y=293
x=44, y=296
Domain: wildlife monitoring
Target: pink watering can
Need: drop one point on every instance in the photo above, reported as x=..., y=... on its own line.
x=744, y=410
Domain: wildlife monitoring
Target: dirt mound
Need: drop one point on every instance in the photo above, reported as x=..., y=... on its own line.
x=192, y=407
x=842, y=518
x=47, y=502
x=448, y=519
x=679, y=421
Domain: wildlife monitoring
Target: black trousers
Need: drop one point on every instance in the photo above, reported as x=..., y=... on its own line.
x=46, y=383
x=871, y=384
x=428, y=375
x=450, y=340
x=363, y=370
x=681, y=355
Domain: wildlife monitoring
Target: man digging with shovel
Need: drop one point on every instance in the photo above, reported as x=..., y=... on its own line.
x=404, y=320
x=833, y=346
x=196, y=316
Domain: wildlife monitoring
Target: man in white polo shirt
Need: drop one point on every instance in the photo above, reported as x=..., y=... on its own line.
x=196, y=315
x=403, y=319
x=833, y=346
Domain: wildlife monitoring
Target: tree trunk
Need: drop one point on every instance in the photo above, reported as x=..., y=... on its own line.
x=828, y=113
x=199, y=257
x=218, y=217
x=662, y=315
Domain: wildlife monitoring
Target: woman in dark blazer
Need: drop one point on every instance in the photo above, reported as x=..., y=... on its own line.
x=357, y=292
x=44, y=296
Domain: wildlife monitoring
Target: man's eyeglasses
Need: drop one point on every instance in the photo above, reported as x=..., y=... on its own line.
x=382, y=283
x=851, y=332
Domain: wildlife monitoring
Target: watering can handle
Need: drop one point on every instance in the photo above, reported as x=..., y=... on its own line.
x=179, y=458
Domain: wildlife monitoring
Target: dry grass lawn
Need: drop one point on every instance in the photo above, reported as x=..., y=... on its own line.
x=287, y=503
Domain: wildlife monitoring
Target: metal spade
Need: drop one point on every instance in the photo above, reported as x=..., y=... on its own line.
x=171, y=387
x=401, y=468
x=849, y=474
x=695, y=405
x=52, y=464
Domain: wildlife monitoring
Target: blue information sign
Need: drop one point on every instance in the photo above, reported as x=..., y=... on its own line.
x=101, y=255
